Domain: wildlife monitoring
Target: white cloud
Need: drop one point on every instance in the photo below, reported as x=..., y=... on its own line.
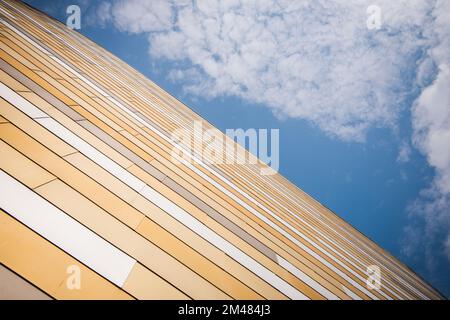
x=447, y=247
x=137, y=16
x=431, y=120
x=431, y=124
x=404, y=152
x=315, y=60
x=103, y=14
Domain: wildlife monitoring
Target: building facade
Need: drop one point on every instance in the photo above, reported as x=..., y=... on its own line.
x=94, y=205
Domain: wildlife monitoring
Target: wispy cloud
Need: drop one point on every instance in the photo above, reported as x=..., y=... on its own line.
x=431, y=124
x=404, y=152
x=316, y=60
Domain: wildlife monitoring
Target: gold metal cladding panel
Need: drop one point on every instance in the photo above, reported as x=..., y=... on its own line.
x=102, y=176
x=82, y=98
x=191, y=258
x=45, y=106
x=72, y=126
x=12, y=161
x=148, y=286
x=4, y=47
x=45, y=265
x=33, y=75
x=11, y=47
x=130, y=242
x=66, y=172
x=13, y=287
x=47, y=160
x=205, y=248
x=14, y=115
x=98, y=220
x=11, y=82
x=165, y=241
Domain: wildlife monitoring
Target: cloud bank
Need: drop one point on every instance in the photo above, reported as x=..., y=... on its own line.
x=316, y=60
x=431, y=124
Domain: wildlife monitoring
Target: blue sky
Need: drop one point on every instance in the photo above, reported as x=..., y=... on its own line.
x=363, y=114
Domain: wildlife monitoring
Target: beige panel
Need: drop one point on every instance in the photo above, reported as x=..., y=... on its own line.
x=18, y=166
x=46, y=106
x=13, y=287
x=10, y=82
x=97, y=115
x=83, y=134
x=52, y=86
x=115, y=144
x=11, y=74
x=89, y=167
x=36, y=76
x=148, y=286
x=14, y=115
x=3, y=120
x=29, y=58
x=220, y=218
x=14, y=54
